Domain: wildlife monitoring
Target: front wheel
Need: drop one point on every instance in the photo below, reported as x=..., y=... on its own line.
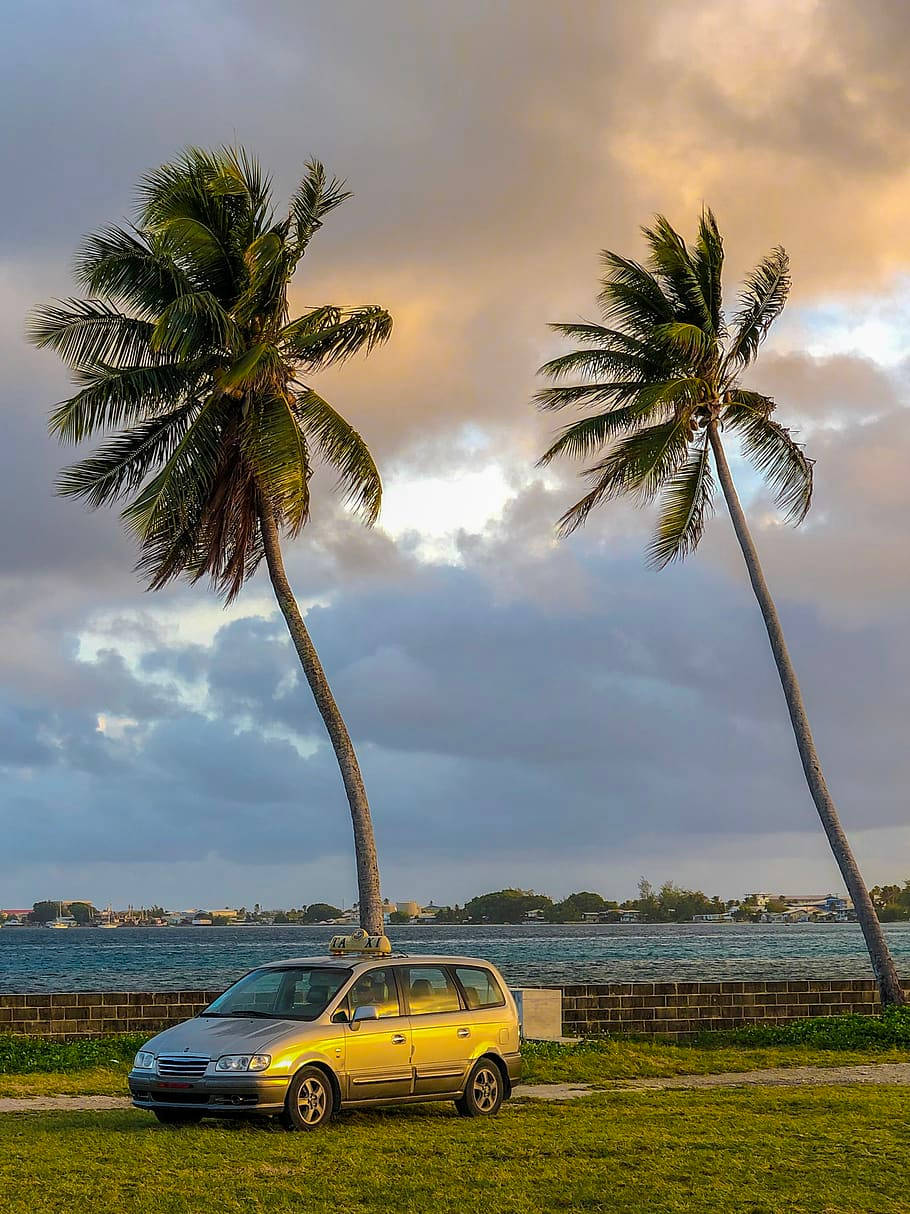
x=310, y=1101
x=177, y=1116
x=484, y=1091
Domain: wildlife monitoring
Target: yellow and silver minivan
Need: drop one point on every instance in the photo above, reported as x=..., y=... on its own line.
x=303, y=1038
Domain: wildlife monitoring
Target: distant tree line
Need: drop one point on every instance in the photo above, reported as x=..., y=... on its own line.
x=892, y=902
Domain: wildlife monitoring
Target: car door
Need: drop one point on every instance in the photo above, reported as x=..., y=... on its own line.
x=377, y=1052
x=440, y=1029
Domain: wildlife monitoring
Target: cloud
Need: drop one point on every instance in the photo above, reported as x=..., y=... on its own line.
x=556, y=707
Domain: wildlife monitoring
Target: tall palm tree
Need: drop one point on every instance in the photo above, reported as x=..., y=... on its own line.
x=663, y=373
x=186, y=357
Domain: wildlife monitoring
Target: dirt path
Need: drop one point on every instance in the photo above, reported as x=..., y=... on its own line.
x=787, y=1077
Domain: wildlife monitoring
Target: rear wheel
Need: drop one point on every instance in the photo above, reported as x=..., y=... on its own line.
x=310, y=1101
x=484, y=1092
x=177, y=1116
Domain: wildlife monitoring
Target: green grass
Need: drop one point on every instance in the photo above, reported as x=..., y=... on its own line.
x=98, y=1066
x=21, y=1055
x=600, y=1061
x=808, y=1151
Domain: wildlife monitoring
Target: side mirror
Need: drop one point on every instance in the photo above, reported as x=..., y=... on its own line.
x=368, y=1011
x=340, y=1017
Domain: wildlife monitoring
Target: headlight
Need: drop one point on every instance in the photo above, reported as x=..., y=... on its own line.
x=243, y=1062
x=144, y=1061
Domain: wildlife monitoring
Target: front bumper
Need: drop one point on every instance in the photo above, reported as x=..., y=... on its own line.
x=214, y=1095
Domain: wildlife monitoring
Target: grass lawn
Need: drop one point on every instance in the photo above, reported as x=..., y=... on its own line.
x=99, y=1067
x=601, y=1062
x=805, y=1151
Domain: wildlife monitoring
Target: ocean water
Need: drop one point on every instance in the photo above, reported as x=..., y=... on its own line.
x=174, y=958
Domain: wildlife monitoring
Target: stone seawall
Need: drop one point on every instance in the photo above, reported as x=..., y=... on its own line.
x=678, y=1010
x=92, y=1013
x=675, y=1010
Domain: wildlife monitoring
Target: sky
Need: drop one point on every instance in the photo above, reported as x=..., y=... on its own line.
x=528, y=712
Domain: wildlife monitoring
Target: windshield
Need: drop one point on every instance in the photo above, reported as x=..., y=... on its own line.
x=298, y=992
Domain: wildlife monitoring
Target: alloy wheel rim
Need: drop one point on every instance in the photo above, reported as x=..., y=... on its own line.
x=311, y=1101
x=486, y=1089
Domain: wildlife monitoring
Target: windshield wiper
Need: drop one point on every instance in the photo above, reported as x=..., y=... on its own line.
x=251, y=1011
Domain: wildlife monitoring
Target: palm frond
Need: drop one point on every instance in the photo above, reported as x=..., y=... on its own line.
x=564, y=395
x=685, y=506
x=632, y=297
x=88, y=331
x=195, y=323
x=583, y=438
x=121, y=464
x=314, y=197
x=781, y=461
x=274, y=447
x=760, y=303
x=671, y=261
x=131, y=267
x=753, y=400
x=260, y=365
x=315, y=345
x=708, y=264
x=342, y=447
x=639, y=464
x=112, y=396
x=690, y=344
x=180, y=487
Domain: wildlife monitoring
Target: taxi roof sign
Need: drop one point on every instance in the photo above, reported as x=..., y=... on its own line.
x=360, y=942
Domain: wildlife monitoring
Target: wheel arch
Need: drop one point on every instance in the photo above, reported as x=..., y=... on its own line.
x=318, y=1065
x=501, y=1065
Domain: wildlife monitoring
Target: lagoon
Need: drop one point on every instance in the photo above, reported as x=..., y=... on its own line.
x=174, y=958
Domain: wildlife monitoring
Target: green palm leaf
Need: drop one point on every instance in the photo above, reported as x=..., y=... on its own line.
x=313, y=199
x=781, y=461
x=342, y=447
x=85, y=332
x=121, y=464
x=685, y=506
x=761, y=302
x=315, y=344
x=112, y=396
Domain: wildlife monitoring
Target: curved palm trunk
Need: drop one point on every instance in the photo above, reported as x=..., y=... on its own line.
x=364, y=841
x=882, y=962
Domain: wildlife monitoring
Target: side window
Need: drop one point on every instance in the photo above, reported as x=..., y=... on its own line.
x=376, y=987
x=480, y=987
x=431, y=989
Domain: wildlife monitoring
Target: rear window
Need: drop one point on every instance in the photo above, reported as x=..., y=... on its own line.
x=480, y=987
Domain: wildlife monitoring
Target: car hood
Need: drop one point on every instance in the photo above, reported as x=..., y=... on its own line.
x=214, y=1035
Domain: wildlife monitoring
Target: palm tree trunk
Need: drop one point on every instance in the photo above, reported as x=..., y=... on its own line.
x=882, y=961
x=364, y=842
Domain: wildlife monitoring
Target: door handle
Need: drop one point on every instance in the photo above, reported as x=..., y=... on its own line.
x=398, y=1039
x=464, y=1033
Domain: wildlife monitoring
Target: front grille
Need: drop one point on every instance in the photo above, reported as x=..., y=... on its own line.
x=182, y=1066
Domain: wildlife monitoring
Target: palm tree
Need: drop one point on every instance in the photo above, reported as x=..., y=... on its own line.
x=663, y=373
x=185, y=354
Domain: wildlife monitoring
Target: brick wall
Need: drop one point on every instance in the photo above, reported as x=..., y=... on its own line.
x=680, y=1009
x=667, y=1009
x=81, y=1014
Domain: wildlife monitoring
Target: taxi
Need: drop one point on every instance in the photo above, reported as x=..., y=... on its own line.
x=302, y=1039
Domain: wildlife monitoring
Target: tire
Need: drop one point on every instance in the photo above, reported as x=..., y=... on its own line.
x=484, y=1092
x=310, y=1101
x=177, y=1116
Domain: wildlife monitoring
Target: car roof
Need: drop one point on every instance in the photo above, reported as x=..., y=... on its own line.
x=354, y=961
